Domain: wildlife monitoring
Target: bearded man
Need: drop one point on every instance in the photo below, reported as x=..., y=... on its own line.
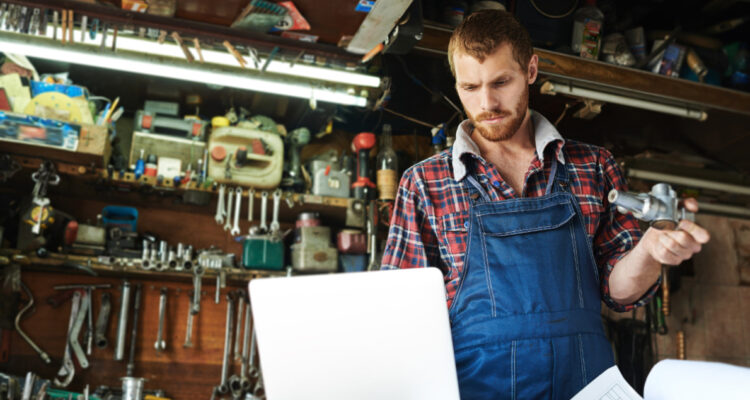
x=517, y=219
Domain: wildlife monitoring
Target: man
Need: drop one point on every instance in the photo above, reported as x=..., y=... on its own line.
x=517, y=219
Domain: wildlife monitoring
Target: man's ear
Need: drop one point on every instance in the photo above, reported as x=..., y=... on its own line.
x=533, y=69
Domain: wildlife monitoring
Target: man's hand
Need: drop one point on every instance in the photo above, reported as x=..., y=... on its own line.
x=12, y=68
x=672, y=247
x=641, y=267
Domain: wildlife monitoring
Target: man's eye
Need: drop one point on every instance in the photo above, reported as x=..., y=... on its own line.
x=500, y=83
x=469, y=88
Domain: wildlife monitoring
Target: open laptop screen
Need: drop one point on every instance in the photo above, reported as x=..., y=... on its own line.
x=367, y=335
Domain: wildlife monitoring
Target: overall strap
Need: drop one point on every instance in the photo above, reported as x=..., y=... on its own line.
x=475, y=189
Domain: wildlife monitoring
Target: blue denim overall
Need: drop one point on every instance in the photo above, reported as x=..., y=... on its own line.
x=526, y=316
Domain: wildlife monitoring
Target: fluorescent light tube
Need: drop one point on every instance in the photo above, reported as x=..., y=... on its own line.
x=551, y=87
x=170, y=49
x=165, y=67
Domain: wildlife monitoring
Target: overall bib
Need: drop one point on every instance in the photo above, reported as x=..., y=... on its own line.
x=526, y=316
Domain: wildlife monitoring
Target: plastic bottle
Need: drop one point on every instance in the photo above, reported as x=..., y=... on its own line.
x=587, y=30
x=387, y=164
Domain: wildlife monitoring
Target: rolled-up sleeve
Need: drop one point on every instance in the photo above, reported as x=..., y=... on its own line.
x=616, y=235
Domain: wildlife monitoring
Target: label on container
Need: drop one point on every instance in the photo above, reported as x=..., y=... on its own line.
x=592, y=37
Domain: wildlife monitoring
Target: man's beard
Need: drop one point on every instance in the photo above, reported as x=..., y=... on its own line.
x=507, y=128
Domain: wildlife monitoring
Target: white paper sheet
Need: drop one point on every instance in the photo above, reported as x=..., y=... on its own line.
x=688, y=380
x=610, y=385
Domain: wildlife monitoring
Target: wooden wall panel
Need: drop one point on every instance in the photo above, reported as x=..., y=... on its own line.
x=183, y=373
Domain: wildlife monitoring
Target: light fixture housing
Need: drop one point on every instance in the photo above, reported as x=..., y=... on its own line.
x=166, y=61
x=552, y=87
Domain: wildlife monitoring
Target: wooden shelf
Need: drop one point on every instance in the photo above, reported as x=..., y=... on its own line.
x=613, y=79
x=65, y=263
x=147, y=192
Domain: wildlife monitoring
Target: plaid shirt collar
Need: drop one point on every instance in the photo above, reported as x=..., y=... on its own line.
x=544, y=134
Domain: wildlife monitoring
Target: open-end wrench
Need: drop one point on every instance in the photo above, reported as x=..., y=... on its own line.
x=244, y=380
x=160, y=344
x=254, y=370
x=276, y=202
x=189, y=329
x=263, y=211
x=250, y=204
x=230, y=200
x=197, y=281
x=68, y=369
x=238, y=330
x=220, y=212
x=90, y=321
x=238, y=201
x=223, y=386
x=102, y=321
x=73, y=339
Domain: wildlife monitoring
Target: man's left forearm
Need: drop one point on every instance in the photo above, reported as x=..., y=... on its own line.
x=633, y=275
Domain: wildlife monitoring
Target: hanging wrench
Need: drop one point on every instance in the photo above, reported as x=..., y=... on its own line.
x=102, y=321
x=90, y=321
x=250, y=201
x=238, y=201
x=68, y=369
x=244, y=381
x=276, y=202
x=263, y=211
x=230, y=199
x=73, y=339
x=220, y=212
x=160, y=344
x=197, y=281
x=223, y=386
x=189, y=329
x=238, y=330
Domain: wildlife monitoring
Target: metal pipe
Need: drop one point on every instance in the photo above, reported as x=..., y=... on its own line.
x=122, y=321
x=552, y=88
x=687, y=181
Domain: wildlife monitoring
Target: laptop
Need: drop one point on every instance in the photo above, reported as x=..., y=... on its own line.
x=361, y=335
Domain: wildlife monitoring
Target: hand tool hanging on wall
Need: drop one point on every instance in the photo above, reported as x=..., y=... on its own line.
x=197, y=282
x=134, y=332
x=23, y=334
x=189, y=329
x=67, y=370
x=40, y=214
x=102, y=321
x=77, y=324
x=240, y=309
x=230, y=201
x=122, y=321
x=223, y=387
x=160, y=343
x=220, y=211
x=238, y=202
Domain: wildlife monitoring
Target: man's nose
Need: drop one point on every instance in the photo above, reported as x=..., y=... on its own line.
x=488, y=100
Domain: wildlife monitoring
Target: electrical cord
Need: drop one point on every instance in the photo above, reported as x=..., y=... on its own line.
x=540, y=11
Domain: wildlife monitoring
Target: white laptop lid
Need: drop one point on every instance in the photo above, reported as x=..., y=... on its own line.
x=362, y=335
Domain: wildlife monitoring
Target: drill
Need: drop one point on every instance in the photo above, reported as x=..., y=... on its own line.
x=363, y=186
x=297, y=139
